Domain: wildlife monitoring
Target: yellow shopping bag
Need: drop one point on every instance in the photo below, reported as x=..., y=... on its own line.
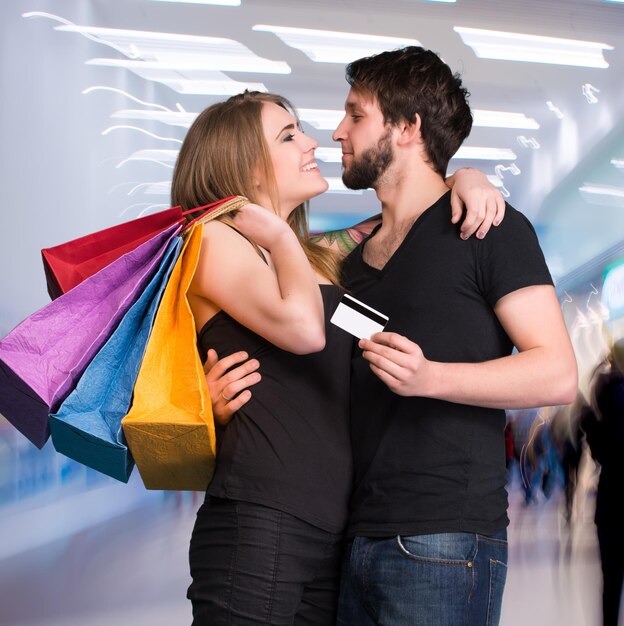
x=170, y=427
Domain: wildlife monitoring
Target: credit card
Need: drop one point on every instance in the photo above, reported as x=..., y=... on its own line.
x=358, y=318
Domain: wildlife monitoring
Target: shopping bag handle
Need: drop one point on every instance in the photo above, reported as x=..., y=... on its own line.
x=225, y=205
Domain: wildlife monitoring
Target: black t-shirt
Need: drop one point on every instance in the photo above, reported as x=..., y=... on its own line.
x=423, y=465
x=288, y=448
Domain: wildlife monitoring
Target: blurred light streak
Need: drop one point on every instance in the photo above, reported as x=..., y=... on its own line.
x=172, y=118
x=554, y=109
x=603, y=194
x=528, y=142
x=589, y=91
x=223, y=3
x=141, y=130
x=162, y=157
x=126, y=94
x=156, y=189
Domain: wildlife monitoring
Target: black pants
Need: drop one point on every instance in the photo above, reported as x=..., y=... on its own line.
x=254, y=565
x=611, y=542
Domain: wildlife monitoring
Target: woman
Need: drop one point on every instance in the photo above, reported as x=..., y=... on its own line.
x=266, y=545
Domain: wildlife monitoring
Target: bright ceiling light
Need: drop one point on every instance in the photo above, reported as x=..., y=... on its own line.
x=327, y=46
x=474, y=153
x=469, y=153
x=323, y=119
x=328, y=119
x=619, y=163
x=337, y=186
x=503, y=119
x=224, y=3
x=329, y=155
x=603, y=194
x=495, y=180
x=494, y=44
x=181, y=52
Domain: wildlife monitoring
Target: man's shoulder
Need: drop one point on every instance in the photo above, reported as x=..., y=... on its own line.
x=514, y=218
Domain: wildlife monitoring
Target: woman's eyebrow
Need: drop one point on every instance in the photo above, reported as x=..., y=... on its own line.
x=287, y=127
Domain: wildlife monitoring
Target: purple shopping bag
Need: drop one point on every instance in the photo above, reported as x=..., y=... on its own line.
x=42, y=358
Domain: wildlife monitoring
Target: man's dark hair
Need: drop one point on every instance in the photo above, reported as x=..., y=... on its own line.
x=412, y=81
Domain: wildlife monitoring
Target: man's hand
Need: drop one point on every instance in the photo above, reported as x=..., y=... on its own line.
x=484, y=204
x=229, y=391
x=398, y=362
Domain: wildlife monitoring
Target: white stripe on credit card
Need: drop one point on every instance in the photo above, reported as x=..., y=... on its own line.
x=358, y=318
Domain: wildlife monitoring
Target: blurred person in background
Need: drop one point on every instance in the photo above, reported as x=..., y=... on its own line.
x=567, y=436
x=604, y=428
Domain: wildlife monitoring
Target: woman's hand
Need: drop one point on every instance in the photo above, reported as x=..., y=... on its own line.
x=229, y=391
x=484, y=204
x=261, y=225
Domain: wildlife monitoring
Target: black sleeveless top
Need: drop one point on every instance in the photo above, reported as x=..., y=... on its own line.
x=288, y=448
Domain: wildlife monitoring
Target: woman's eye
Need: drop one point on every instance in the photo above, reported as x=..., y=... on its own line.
x=289, y=137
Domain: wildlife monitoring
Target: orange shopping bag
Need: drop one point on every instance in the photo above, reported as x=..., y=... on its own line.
x=170, y=428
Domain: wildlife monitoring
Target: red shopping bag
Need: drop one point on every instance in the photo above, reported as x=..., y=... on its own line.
x=69, y=263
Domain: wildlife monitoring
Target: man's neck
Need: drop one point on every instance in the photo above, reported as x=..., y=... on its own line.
x=405, y=194
x=405, y=197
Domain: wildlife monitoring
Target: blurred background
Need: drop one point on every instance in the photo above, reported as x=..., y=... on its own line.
x=96, y=98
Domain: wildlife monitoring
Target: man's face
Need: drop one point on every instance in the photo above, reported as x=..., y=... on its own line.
x=366, y=141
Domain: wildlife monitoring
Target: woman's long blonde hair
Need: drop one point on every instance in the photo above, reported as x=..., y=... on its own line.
x=223, y=151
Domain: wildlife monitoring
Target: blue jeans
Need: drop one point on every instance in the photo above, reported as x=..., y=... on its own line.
x=251, y=564
x=448, y=579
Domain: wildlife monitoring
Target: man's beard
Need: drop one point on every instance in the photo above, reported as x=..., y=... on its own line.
x=366, y=171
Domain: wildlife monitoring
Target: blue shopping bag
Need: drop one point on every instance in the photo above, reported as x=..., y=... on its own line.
x=87, y=427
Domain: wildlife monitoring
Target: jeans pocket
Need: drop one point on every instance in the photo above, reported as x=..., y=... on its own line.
x=444, y=548
x=498, y=575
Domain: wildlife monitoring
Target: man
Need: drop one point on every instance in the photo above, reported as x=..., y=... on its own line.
x=428, y=512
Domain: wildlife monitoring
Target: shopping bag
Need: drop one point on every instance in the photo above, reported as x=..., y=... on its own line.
x=87, y=427
x=68, y=264
x=42, y=358
x=170, y=428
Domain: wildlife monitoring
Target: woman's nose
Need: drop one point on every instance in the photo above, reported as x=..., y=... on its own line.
x=310, y=143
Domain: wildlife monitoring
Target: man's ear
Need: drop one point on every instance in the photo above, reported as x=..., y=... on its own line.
x=409, y=132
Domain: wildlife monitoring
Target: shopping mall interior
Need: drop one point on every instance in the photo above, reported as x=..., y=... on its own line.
x=97, y=98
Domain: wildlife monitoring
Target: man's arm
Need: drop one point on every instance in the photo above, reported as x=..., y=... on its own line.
x=542, y=373
x=484, y=206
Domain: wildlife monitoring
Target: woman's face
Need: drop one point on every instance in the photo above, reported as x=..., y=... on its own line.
x=292, y=153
